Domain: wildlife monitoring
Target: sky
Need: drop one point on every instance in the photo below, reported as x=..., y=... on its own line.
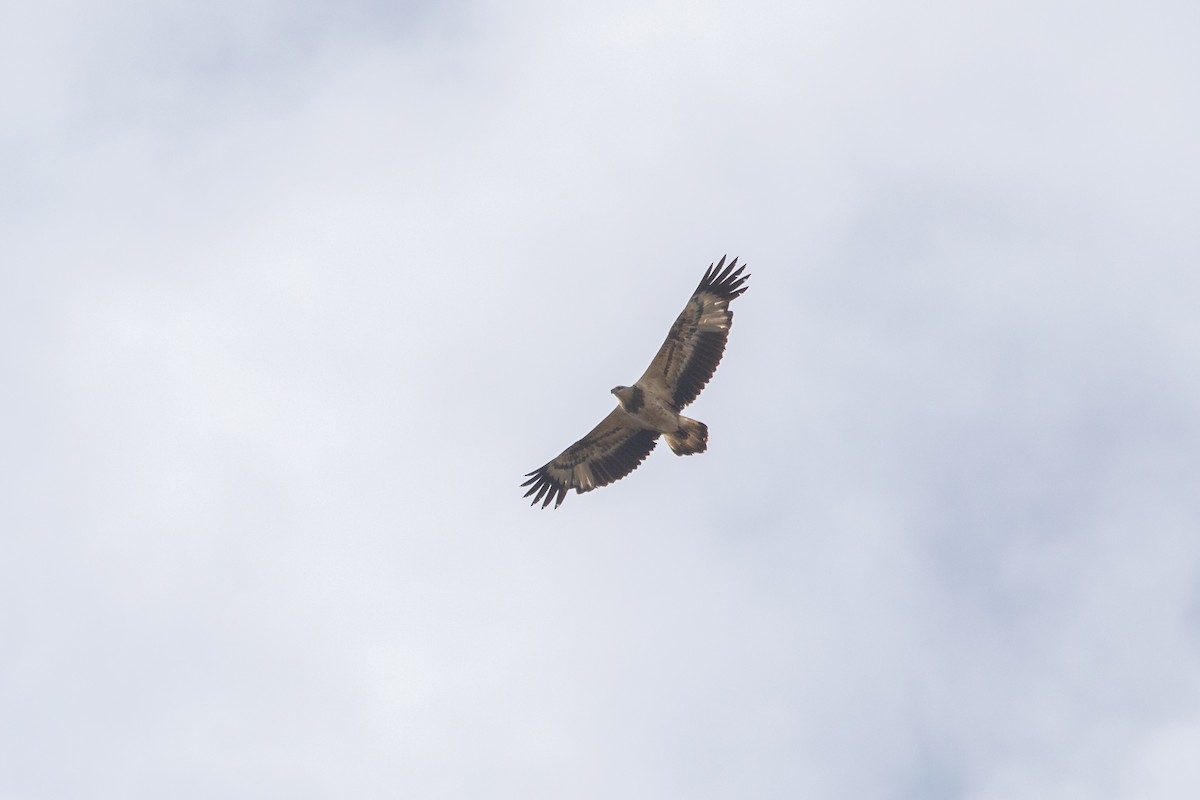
x=293, y=294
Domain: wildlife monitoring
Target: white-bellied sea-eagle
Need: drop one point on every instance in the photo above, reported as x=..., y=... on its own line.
x=650, y=408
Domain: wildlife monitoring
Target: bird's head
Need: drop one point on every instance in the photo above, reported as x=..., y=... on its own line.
x=630, y=397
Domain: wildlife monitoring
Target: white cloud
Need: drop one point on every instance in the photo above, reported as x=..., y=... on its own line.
x=294, y=294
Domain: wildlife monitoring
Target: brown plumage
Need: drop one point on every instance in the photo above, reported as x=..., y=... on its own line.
x=682, y=367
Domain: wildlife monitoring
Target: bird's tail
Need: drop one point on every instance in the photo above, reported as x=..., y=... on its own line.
x=692, y=437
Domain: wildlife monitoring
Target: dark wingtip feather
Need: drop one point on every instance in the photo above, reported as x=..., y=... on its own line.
x=713, y=270
x=726, y=281
x=546, y=488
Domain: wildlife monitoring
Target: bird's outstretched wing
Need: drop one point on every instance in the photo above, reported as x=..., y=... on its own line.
x=693, y=349
x=612, y=450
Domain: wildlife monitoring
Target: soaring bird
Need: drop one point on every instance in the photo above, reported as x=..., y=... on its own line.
x=650, y=408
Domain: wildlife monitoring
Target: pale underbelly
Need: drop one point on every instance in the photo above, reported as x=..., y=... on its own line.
x=657, y=417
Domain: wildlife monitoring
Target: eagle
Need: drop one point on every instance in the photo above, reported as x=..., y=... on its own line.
x=650, y=408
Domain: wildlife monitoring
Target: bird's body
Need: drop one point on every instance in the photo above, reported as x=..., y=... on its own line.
x=648, y=411
x=651, y=407
x=653, y=412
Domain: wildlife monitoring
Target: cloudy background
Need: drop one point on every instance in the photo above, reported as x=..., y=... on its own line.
x=293, y=294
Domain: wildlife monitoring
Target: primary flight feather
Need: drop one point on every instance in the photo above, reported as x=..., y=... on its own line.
x=650, y=408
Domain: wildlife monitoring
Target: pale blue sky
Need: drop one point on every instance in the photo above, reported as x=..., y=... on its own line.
x=293, y=295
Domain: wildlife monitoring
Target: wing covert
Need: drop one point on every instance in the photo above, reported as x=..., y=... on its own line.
x=689, y=356
x=609, y=452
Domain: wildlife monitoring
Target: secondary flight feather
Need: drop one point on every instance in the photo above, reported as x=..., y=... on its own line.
x=650, y=408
